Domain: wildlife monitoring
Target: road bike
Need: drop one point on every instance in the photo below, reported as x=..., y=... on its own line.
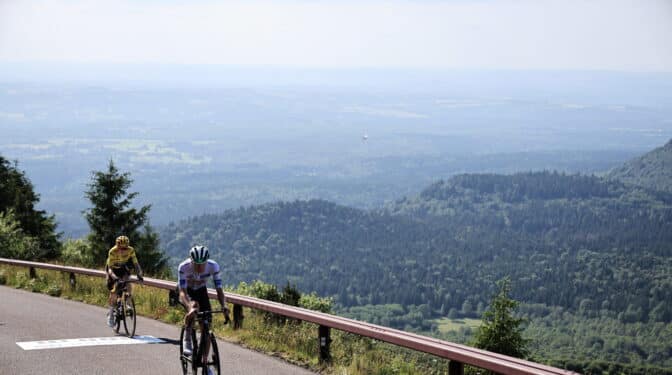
x=192, y=363
x=124, y=310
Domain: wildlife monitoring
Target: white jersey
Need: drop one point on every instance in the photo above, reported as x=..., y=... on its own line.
x=188, y=278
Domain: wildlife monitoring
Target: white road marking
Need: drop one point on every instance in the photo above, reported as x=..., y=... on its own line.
x=92, y=341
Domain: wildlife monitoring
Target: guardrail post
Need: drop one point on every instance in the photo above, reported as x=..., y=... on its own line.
x=324, y=341
x=238, y=316
x=32, y=273
x=455, y=368
x=73, y=281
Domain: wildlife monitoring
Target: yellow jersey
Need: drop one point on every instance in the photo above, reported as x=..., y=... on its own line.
x=119, y=257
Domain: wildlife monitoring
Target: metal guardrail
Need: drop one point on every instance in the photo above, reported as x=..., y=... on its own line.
x=459, y=355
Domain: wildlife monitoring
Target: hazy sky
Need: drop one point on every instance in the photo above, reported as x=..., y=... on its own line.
x=508, y=34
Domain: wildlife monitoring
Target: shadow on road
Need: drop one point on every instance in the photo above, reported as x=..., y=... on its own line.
x=170, y=341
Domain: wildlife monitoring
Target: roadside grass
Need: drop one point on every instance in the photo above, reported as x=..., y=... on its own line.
x=446, y=325
x=293, y=341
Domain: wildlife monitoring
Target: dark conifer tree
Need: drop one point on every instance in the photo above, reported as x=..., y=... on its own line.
x=501, y=331
x=112, y=215
x=17, y=195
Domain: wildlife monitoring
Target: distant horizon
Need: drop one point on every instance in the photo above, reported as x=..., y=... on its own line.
x=649, y=89
x=66, y=63
x=98, y=72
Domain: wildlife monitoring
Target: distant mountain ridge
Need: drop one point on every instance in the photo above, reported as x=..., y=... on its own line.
x=652, y=170
x=565, y=240
x=595, y=247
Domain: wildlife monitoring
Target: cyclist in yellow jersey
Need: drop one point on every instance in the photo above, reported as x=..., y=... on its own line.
x=117, y=267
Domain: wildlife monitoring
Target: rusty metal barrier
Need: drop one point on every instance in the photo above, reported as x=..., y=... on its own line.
x=459, y=355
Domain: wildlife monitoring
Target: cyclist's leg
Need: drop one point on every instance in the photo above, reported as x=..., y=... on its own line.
x=110, y=286
x=193, y=295
x=110, y=305
x=112, y=299
x=129, y=286
x=188, y=320
x=204, y=305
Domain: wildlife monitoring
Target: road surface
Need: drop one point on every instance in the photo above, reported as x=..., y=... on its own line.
x=30, y=317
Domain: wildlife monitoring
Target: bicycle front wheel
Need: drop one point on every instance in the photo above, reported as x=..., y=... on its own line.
x=129, y=316
x=213, y=358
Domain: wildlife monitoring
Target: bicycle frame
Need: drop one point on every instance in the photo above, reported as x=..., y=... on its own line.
x=121, y=287
x=124, y=308
x=196, y=358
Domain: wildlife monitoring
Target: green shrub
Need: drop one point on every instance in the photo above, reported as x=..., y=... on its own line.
x=174, y=316
x=34, y=285
x=77, y=253
x=21, y=280
x=54, y=290
x=265, y=291
x=313, y=302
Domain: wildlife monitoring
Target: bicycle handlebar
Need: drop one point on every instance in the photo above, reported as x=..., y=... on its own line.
x=120, y=284
x=129, y=281
x=201, y=314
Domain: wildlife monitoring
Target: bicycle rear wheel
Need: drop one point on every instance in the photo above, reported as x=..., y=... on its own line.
x=213, y=358
x=129, y=316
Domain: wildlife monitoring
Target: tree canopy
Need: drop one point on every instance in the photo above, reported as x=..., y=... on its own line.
x=561, y=238
x=112, y=215
x=501, y=331
x=18, y=202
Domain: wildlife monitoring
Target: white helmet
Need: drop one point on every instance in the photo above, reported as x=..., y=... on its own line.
x=199, y=254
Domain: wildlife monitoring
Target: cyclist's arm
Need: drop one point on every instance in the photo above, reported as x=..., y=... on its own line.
x=134, y=258
x=221, y=298
x=138, y=271
x=182, y=286
x=218, y=286
x=184, y=298
x=108, y=269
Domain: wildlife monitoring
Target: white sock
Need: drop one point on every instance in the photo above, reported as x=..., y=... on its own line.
x=187, y=334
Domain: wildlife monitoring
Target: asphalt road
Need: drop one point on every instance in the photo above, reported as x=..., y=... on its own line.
x=26, y=316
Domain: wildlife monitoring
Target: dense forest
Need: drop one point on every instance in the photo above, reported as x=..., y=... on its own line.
x=595, y=248
x=589, y=257
x=572, y=241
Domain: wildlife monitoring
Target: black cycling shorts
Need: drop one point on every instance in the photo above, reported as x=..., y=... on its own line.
x=200, y=296
x=118, y=272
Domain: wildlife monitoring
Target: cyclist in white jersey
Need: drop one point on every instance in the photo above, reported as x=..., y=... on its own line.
x=193, y=273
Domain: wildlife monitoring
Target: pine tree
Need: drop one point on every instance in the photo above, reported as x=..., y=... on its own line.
x=500, y=331
x=18, y=198
x=149, y=256
x=112, y=216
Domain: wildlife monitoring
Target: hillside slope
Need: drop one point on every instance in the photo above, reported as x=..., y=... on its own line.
x=565, y=240
x=652, y=170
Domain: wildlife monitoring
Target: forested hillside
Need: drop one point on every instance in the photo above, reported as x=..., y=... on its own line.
x=652, y=170
x=572, y=241
x=25, y=231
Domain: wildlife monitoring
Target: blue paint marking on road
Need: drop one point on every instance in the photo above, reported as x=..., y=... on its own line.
x=90, y=341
